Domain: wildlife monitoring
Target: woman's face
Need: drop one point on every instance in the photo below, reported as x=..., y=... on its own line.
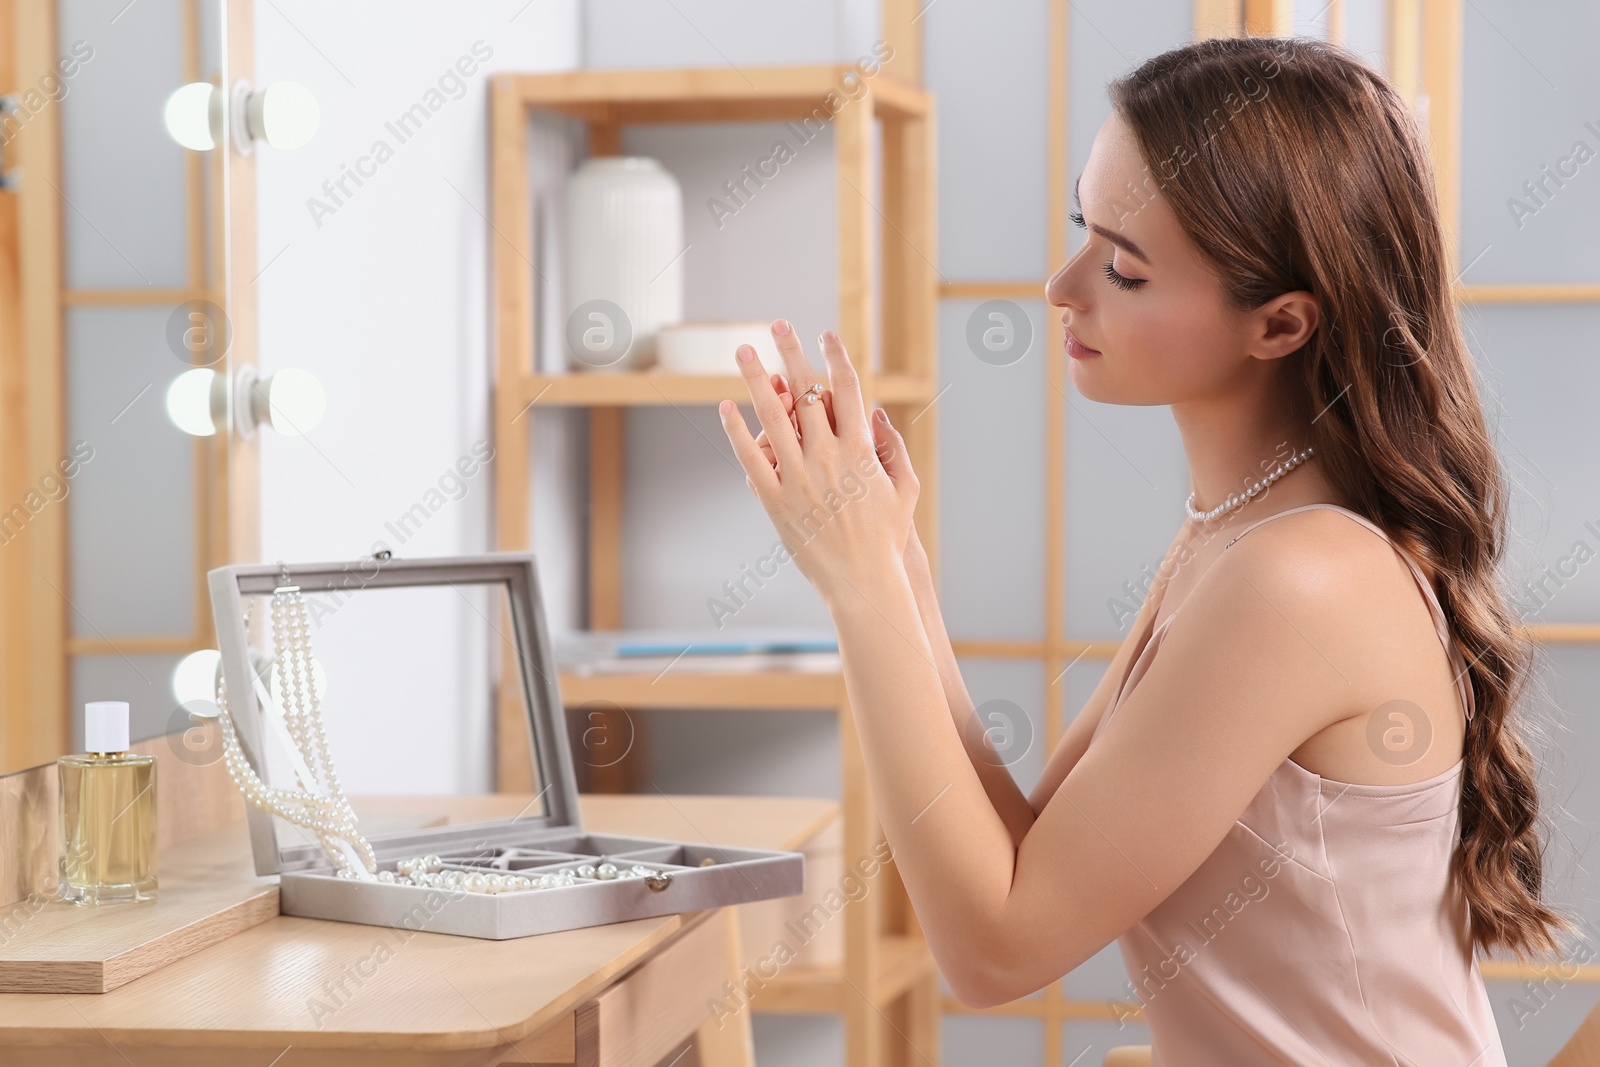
x=1162, y=330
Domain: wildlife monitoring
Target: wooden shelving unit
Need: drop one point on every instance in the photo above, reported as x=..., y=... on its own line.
x=887, y=987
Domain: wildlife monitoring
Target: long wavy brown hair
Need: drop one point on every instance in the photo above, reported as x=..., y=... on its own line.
x=1293, y=165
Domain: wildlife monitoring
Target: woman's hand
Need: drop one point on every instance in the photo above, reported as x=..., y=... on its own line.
x=838, y=487
x=780, y=385
x=916, y=557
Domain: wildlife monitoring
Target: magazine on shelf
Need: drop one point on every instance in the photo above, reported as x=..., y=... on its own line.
x=709, y=651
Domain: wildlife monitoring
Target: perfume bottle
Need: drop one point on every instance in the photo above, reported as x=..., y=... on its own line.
x=108, y=813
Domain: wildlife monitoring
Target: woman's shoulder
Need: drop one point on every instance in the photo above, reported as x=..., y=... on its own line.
x=1343, y=592
x=1312, y=560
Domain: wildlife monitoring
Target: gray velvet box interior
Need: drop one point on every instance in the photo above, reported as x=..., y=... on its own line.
x=684, y=876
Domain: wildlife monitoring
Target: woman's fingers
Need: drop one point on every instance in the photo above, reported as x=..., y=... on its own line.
x=891, y=449
x=791, y=399
x=760, y=475
x=896, y=461
x=782, y=388
x=786, y=395
x=849, y=414
x=801, y=376
x=789, y=403
x=797, y=370
x=769, y=410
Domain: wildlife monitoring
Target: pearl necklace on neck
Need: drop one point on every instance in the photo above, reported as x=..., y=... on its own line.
x=1239, y=500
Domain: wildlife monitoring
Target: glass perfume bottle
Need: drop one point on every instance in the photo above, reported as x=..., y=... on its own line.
x=108, y=813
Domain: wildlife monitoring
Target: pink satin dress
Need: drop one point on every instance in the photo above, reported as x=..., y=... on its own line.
x=1326, y=927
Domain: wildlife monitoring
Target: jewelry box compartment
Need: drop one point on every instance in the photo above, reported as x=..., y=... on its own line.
x=680, y=877
x=451, y=743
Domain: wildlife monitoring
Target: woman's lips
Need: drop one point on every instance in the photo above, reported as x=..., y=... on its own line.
x=1076, y=348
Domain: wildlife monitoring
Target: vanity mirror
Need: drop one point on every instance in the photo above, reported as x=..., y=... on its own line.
x=113, y=238
x=129, y=393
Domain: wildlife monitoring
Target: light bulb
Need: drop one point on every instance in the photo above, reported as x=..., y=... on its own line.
x=289, y=115
x=192, y=118
x=295, y=401
x=283, y=115
x=195, y=676
x=290, y=401
x=189, y=401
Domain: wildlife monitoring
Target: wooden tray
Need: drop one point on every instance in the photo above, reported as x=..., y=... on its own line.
x=208, y=892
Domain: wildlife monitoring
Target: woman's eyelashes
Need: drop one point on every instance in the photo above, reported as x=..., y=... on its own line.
x=1121, y=281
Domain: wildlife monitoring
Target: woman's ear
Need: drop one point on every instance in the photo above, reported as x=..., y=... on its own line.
x=1284, y=324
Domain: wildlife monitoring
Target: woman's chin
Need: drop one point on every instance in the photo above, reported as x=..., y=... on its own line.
x=1088, y=379
x=1083, y=374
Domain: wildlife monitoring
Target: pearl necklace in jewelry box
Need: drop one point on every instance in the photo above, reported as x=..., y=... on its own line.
x=429, y=871
x=327, y=813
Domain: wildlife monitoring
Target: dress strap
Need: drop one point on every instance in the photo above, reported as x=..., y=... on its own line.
x=1435, y=609
x=1307, y=507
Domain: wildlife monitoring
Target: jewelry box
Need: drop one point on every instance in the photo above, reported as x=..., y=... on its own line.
x=413, y=657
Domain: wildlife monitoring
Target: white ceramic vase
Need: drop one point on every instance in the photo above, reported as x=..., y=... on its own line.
x=624, y=273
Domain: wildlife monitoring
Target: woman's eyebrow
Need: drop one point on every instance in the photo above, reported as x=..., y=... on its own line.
x=1110, y=235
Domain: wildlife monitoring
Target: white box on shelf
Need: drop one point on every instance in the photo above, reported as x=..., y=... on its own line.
x=709, y=347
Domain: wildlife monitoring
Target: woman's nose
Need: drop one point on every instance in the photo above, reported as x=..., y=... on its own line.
x=1058, y=290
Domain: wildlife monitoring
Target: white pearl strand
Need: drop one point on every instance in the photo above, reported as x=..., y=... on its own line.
x=302, y=712
x=428, y=871
x=330, y=817
x=1239, y=500
x=302, y=809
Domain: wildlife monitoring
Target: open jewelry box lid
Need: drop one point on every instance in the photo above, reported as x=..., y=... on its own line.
x=404, y=685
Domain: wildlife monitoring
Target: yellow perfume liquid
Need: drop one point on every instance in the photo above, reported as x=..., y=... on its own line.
x=108, y=814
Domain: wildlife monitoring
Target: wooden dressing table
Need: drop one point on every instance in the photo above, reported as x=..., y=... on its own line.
x=293, y=992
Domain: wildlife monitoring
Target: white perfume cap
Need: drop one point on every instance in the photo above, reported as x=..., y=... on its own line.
x=105, y=726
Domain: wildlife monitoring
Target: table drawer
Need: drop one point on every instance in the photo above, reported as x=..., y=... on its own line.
x=653, y=1009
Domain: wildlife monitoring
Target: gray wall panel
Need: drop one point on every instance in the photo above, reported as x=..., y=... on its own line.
x=145, y=682
x=987, y=66
x=1106, y=39
x=724, y=33
x=1366, y=30
x=799, y=1040
x=123, y=220
x=978, y=1041
x=1535, y=1019
x=1126, y=482
x=1529, y=102
x=1009, y=697
x=1539, y=377
x=131, y=508
x=991, y=477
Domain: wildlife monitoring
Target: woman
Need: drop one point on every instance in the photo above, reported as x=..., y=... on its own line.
x=1301, y=806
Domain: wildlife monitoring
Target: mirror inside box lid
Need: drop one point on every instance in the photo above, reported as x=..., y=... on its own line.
x=367, y=700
